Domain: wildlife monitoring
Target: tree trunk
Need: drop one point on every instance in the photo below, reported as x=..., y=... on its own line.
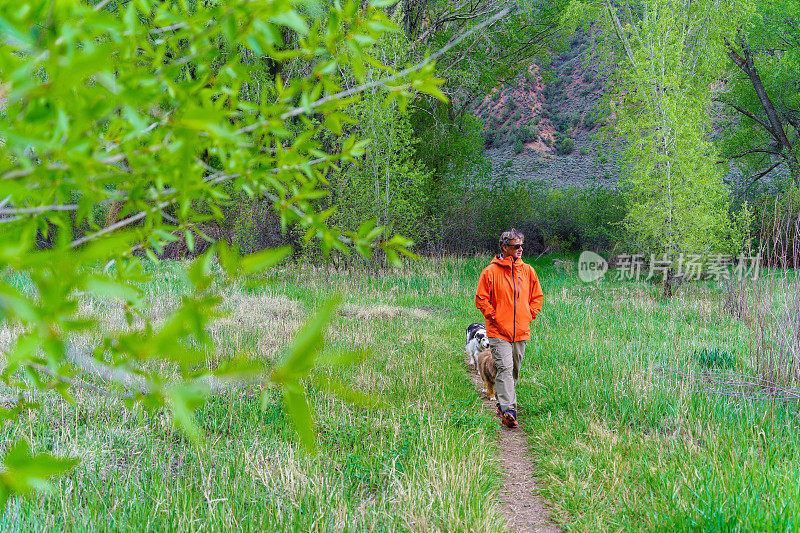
x=774, y=125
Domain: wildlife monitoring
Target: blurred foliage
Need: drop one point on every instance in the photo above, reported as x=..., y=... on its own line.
x=128, y=126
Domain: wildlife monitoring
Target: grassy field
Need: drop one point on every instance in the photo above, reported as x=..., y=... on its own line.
x=620, y=446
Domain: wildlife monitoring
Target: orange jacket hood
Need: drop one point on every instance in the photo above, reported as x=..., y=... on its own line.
x=509, y=296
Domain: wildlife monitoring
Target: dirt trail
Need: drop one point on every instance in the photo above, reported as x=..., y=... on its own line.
x=522, y=506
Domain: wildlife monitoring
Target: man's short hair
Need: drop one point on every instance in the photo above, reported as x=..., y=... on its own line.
x=509, y=236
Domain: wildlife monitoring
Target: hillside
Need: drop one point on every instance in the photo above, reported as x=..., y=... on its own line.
x=546, y=130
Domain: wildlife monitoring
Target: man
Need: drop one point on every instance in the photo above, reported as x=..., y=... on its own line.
x=510, y=297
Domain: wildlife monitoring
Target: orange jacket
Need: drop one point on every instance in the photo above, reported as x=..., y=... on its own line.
x=509, y=296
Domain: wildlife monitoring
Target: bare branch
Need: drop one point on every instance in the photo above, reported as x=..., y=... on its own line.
x=77, y=383
x=111, y=374
x=619, y=32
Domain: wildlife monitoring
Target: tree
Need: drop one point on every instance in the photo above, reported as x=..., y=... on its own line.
x=670, y=56
x=164, y=110
x=763, y=91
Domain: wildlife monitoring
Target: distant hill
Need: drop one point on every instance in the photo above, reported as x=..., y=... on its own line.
x=543, y=131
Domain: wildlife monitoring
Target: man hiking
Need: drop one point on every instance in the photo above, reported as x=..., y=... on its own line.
x=510, y=297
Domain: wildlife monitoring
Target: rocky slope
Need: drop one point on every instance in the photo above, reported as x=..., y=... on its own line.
x=548, y=130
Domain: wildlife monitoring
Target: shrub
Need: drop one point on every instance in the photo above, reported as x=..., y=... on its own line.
x=587, y=76
x=564, y=146
x=528, y=134
x=588, y=121
x=518, y=147
x=517, y=115
x=584, y=151
x=489, y=137
x=496, y=95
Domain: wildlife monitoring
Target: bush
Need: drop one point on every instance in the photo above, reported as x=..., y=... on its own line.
x=548, y=141
x=517, y=115
x=496, y=95
x=518, y=147
x=560, y=122
x=564, y=146
x=528, y=134
x=588, y=121
x=584, y=151
x=552, y=219
x=489, y=137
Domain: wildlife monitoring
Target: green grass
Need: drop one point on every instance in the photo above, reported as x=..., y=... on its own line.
x=425, y=462
x=618, y=445
x=622, y=447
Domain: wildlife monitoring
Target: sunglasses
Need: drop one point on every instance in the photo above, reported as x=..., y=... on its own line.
x=514, y=246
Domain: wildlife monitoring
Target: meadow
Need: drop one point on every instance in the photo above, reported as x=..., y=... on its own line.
x=620, y=442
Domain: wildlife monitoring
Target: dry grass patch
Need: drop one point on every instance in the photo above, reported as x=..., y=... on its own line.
x=385, y=311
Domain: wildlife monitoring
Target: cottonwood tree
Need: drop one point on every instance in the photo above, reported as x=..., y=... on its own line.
x=669, y=55
x=763, y=91
x=164, y=110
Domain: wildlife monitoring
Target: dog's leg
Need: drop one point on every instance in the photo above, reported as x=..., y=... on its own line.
x=490, y=387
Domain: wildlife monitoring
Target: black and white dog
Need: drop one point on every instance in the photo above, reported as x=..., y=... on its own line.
x=477, y=341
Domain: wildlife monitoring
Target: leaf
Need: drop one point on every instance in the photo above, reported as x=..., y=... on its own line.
x=296, y=405
x=292, y=20
x=300, y=357
x=189, y=239
x=347, y=393
x=260, y=261
x=115, y=289
x=341, y=359
x=182, y=402
x=24, y=472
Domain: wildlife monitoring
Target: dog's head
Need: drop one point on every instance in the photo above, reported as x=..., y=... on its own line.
x=483, y=340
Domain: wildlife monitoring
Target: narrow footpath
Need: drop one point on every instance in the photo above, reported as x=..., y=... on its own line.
x=522, y=506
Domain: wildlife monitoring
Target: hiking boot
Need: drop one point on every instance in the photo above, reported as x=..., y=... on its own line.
x=510, y=419
x=499, y=411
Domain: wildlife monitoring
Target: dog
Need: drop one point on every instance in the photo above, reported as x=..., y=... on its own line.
x=487, y=371
x=477, y=341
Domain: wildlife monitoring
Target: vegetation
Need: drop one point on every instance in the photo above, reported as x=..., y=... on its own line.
x=293, y=370
x=618, y=442
x=678, y=204
x=764, y=94
x=624, y=442
x=425, y=459
x=128, y=125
